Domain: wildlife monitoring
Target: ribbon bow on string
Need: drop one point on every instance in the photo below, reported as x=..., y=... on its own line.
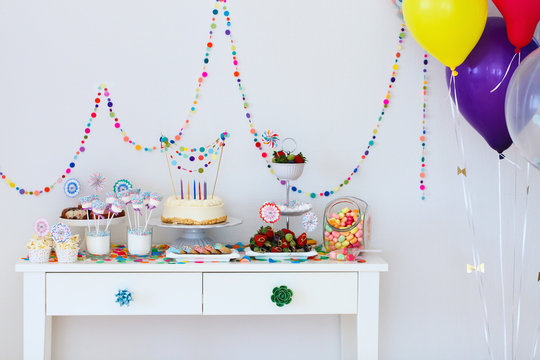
x=461, y=171
x=471, y=268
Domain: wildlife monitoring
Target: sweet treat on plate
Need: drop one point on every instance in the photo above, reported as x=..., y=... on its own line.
x=188, y=250
x=211, y=249
x=284, y=240
x=201, y=250
x=222, y=248
x=193, y=211
x=78, y=213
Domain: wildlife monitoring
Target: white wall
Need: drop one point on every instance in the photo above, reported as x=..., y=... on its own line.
x=316, y=71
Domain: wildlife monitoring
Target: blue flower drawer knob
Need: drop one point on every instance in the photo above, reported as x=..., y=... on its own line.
x=123, y=297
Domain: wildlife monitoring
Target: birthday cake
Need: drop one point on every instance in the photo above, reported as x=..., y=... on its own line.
x=193, y=212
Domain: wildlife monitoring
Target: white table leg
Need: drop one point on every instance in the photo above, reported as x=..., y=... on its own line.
x=348, y=337
x=37, y=325
x=367, y=322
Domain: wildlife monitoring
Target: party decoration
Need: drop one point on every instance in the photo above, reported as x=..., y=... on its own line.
x=104, y=98
x=72, y=187
x=270, y=138
x=269, y=212
x=521, y=17
x=310, y=221
x=41, y=227
x=447, y=29
x=399, y=6
x=60, y=232
x=423, y=135
x=479, y=74
x=122, y=185
x=97, y=181
x=472, y=268
x=522, y=108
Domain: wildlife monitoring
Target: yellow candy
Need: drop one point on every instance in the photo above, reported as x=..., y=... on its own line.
x=353, y=231
x=338, y=245
x=345, y=243
x=345, y=210
x=341, y=215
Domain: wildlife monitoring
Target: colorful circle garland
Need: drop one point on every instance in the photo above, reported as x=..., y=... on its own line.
x=60, y=232
x=41, y=227
x=72, y=187
x=266, y=138
x=423, y=135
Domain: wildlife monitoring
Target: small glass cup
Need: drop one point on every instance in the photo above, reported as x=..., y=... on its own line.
x=98, y=243
x=139, y=241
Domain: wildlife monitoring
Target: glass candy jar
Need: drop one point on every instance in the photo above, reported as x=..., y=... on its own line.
x=346, y=225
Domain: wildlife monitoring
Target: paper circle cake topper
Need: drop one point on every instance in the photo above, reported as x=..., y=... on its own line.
x=122, y=185
x=269, y=212
x=97, y=181
x=60, y=232
x=41, y=227
x=310, y=221
x=72, y=187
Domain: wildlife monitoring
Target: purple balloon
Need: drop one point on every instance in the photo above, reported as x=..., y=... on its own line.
x=483, y=69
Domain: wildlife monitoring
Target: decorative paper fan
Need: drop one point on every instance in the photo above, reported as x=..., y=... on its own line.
x=41, y=227
x=122, y=185
x=97, y=181
x=60, y=232
x=72, y=187
x=269, y=212
x=310, y=221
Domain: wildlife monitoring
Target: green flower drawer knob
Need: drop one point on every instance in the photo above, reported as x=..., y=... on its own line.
x=281, y=295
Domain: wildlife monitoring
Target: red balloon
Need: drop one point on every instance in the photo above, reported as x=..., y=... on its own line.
x=521, y=17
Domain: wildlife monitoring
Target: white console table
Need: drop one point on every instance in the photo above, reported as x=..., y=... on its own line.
x=55, y=289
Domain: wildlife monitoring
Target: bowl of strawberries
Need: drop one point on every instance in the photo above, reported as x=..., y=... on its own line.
x=266, y=240
x=288, y=166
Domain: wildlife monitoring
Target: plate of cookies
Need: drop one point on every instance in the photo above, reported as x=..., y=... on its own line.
x=205, y=253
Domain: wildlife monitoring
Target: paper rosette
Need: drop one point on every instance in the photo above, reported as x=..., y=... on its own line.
x=41, y=227
x=60, y=232
x=310, y=221
x=72, y=187
x=269, y=212
x=122, y=185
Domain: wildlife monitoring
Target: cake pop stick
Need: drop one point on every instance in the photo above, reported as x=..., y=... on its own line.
x=98, y=207
x=137, y=204
x=116, y=208
x=125, y=196
x=153, y=203
x=86, y=204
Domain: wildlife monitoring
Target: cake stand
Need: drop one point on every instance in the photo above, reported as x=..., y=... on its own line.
x=192, y=235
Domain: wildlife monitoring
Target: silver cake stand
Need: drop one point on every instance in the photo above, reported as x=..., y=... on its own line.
x=192, y=235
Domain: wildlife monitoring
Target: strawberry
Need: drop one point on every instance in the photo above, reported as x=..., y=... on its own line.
x=298, y=159
x=276, y=249
x=269, y=234
x=285, y=244
x=287, y=231
x=301, y=241
x=259, y=240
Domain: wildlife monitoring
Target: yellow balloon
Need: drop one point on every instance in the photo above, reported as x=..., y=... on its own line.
x=447, y=29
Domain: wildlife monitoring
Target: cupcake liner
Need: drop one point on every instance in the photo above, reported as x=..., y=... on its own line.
x=39, y=256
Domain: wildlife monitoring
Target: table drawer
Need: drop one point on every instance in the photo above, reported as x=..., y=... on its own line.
x=95, y=293
x=250, y=293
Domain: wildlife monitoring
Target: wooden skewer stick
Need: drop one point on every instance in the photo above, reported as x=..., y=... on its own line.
x=217, y=172
x=169, y=166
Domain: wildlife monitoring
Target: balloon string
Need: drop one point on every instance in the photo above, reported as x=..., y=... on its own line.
x=506, y=73
x=468, y=205
x=523, y=241
x=501, y=264
x=504, y=157
x=513, y=348
x=535, y=349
